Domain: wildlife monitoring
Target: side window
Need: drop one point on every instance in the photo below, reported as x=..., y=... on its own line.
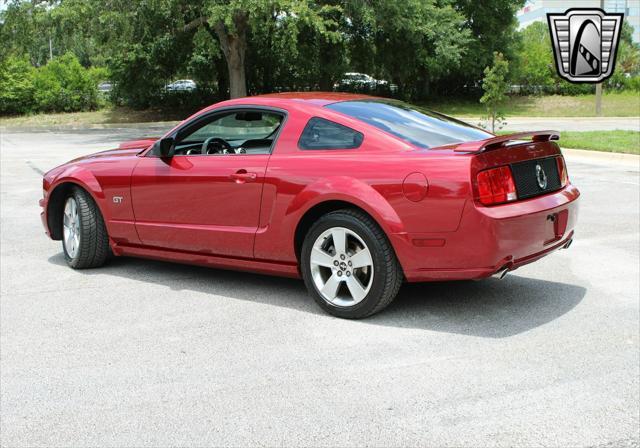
x=236, y=132
x=324, y=134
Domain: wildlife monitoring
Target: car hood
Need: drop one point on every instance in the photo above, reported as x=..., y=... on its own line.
x=108, y=154
x=128, y=148
x=142, y=143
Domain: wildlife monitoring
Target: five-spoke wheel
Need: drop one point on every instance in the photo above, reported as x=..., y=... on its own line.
x=84, y=235
x=349, y=265
x=341, y=266
x=71, y=227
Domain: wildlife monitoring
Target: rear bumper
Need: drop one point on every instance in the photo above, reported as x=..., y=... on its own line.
x=491, y=238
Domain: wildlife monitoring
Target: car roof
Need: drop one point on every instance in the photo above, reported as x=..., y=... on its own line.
x=315, y=98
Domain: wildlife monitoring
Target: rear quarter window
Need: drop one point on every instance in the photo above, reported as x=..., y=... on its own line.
x=324, y=134
x=415, y=125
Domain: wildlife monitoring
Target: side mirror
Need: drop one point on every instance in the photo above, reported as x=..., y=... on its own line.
x=165, y=147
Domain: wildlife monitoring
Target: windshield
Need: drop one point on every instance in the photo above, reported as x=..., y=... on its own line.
x=418, y=126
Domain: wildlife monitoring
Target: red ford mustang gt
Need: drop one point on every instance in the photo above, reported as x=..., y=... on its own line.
x=353, y=193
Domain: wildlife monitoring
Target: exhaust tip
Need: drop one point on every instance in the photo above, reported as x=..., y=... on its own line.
x=568, y=244
x=501, y=273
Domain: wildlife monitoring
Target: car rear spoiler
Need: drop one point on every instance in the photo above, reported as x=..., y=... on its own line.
x=494, y=142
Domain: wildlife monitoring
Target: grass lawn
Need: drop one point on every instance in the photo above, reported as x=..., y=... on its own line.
x=103, y=116
x=627, y=142
x=609, y=141
x=624, y=104
x=620, y=104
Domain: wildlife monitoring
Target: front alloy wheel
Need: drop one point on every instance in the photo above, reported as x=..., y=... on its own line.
x=71, y=227
x=84, y=236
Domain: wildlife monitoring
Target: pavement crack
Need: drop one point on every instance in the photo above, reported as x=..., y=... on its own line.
x=34, y=167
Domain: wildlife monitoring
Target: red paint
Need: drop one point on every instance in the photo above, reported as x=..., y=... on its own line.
x=482, y=145
x=138, y=144
x=429, y=242
x=415, y=187
x=242, y=211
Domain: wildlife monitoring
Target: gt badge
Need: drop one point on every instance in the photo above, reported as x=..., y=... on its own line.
x=117, y=199
x=584, y=43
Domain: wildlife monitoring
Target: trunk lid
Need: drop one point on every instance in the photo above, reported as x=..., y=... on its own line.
x=534, y=164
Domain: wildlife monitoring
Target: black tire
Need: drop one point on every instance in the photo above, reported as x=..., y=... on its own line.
x=93, y=249
x=388, y=274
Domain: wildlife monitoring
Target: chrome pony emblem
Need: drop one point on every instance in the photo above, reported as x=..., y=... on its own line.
x=585, y=42
x=541, y=177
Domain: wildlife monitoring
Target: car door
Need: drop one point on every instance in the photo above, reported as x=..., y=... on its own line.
x=206, y=201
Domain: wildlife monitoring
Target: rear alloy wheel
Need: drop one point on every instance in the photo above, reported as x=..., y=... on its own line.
x=349, y=266
x=339, y=256
x=84, y=236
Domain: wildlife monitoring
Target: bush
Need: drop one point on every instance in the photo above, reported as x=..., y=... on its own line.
x=16, y=86
x=63, y=85
x=633, y=83
x=187, y=101
x=571, y=89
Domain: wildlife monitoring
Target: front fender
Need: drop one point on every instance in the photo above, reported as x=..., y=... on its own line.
x=70, y=175
x=83, y=177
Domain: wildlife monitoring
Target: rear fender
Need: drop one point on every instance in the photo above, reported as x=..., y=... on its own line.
x=347, y=189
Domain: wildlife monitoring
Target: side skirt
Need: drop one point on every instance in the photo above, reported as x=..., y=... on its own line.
x=236, y=264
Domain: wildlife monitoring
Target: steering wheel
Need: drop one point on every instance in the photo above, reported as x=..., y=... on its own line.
x=221, y=146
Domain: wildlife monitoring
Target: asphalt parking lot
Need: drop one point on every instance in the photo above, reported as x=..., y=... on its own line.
x=144, y=353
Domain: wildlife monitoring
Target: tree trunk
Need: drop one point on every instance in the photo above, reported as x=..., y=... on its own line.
x=327, y=67
x=223, y=79
x=234, y=46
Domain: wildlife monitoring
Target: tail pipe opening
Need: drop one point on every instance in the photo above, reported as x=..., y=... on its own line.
x=501, y=273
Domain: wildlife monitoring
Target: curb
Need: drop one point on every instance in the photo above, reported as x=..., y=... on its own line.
x=601, y=155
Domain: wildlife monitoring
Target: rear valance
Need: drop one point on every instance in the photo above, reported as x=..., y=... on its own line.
x=500, y=140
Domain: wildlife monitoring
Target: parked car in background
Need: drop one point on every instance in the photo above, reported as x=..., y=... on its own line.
x=181, y=85
x=361, y=82
x=355, y=194
x=105, y=88
x=355, y=81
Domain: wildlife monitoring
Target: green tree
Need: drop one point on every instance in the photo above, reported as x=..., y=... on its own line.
x=143, y=46
x=16, y=85
x=534, y=68
x=492, y=24
x=627, y=62
x=415, y=42
x=254, y=46
x=495, y=86
x=64, y=85
x=27, y=28
x=41, y=29
x=233, y=20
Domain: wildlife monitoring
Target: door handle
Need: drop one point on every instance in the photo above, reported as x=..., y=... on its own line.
x=242, y=176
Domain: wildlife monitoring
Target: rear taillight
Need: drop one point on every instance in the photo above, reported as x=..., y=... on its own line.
x=496, y=186
x=562, y=171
